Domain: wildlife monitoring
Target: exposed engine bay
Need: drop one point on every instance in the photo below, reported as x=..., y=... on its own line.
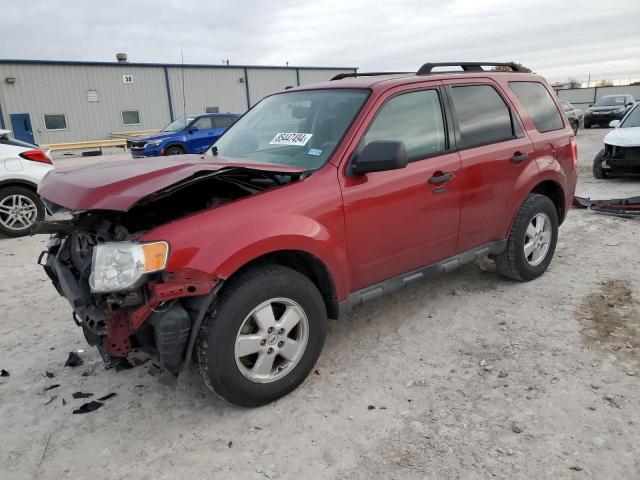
x=161, y=313
x=622, y=159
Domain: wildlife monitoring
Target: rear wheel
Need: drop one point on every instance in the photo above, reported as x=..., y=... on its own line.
x=532, y=241
x=20, y=208
x=262, y=337
x=174, y=150
x=598, y=171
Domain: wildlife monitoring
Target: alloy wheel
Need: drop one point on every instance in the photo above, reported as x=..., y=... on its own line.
x=17, y=212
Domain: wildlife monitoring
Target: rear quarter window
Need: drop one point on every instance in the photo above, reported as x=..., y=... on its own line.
x=537, y=101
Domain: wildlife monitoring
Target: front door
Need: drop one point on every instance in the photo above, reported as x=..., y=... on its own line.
x=399, y=220
x=21, y=127
x=201, y=135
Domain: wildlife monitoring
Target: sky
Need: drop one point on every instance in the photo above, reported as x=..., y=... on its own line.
x=558, y=39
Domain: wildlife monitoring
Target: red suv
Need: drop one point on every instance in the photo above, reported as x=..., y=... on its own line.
x=318, y=199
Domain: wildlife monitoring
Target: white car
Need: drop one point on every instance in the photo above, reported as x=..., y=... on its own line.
x=621, y=152
x=22, y=167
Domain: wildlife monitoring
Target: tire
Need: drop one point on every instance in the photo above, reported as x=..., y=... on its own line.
x=587, y=125
x=28, y=207
x=598, y=171
x=514, y=263
x=174, y=150
x=575, y=125
x=216, y=348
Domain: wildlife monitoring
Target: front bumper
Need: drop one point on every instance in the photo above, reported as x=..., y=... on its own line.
x=601, y=118
x=146, y=152
x=160, y=318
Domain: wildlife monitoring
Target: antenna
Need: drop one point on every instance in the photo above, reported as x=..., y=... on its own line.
x=184, y=102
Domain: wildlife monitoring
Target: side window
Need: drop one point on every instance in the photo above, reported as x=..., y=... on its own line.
x=414, y=118
x=203, y=123
x=220, y=122
x=539, y=105
x=482, y=115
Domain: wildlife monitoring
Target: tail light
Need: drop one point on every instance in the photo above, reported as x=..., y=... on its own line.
x=36, y=156
x=574, y=153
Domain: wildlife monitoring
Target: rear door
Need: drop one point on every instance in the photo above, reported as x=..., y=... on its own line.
x=494, y=153
x=397, y=221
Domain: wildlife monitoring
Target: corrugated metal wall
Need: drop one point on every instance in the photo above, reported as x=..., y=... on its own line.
x=47, y=89
x=263, y=82
x=62, y=88
x=583, y=97
x=208, y=87
x=316, y=76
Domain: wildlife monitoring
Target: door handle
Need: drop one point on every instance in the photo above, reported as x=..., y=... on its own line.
x=519, y=157
x=440, y=177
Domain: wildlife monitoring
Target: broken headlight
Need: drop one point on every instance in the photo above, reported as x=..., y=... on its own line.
x=119, y=265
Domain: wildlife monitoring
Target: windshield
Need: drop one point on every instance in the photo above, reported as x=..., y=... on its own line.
x=633, y=119
x=178, y=125
x=300, y=129
x=610, y=101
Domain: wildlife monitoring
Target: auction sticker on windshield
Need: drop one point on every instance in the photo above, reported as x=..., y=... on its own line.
x=300, y=139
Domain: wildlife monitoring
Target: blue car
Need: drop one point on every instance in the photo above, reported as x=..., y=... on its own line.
x=191, y=134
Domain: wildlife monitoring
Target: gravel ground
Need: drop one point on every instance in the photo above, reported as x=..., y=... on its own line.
x=464, y=376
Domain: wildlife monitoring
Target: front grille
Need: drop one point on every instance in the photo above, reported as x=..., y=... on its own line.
x=135, y=144
x=627, y=153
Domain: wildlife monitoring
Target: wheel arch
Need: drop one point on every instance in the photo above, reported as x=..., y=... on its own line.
x=554, y=191
x=176, y=143
x=305, y=263
x=16, y=182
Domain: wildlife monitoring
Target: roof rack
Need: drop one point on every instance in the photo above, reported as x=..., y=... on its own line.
x=340, y=76
x=427, y=68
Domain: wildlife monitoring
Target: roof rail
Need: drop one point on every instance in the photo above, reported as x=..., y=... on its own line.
x=340, y=76
x=427, y=68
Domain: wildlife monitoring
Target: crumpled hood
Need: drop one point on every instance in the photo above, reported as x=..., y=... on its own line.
x=623, y=137
x=120, y=185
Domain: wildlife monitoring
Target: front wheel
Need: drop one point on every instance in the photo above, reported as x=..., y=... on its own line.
x=20, y=208
x=587, y=125
x=174, y=150
x=575, y=124
x=598, y=170
x=262, y=336
x=532, y=241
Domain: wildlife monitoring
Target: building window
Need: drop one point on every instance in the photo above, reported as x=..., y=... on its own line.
x=131, y=117
x=212, y=110
x=92, y=96
x=55, y=121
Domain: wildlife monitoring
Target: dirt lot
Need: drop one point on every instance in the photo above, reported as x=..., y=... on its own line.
x=464, y=376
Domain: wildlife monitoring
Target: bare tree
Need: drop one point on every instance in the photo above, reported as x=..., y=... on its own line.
x=507, y=69
x=604, y=83
x=573, y=82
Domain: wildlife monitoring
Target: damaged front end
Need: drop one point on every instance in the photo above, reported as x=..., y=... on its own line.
x=158, y=315
x=621, y=160
x=123, y=296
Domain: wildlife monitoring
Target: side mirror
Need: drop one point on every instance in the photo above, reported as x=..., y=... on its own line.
x=590, y=105
x=614, y=123
x=380, y=156
x=192, y=129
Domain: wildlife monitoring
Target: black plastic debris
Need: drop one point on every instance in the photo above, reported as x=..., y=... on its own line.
x=49, y=374
x=88, y=407
x=50, y=400
x=73, y=360
x=620, y=207
x=64, y=402
x=81, y=395
x=51, y=387
x=4, y=373
x=107, y=396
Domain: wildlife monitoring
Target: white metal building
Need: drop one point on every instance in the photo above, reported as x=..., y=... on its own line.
x=49, y=102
